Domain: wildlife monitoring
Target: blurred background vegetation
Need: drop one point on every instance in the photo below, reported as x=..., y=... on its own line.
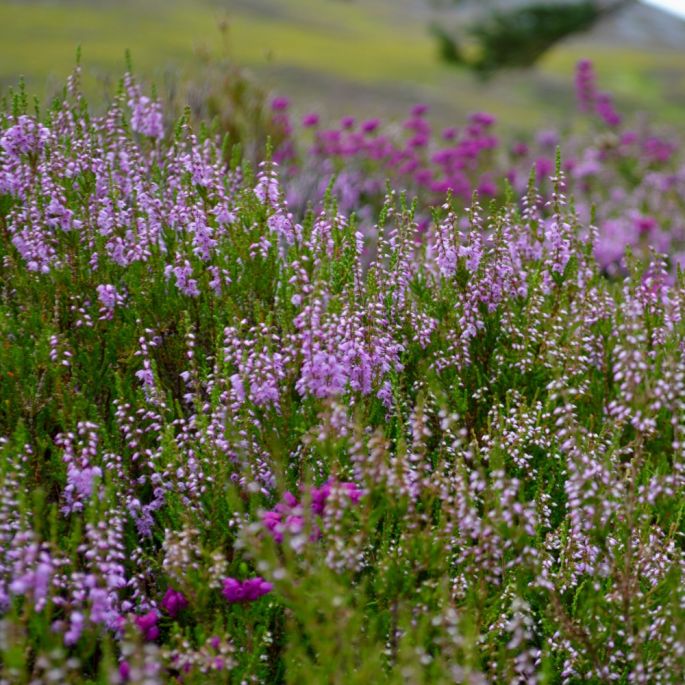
x=369, y=57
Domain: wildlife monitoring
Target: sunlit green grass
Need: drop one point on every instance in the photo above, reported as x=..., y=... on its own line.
x=364, y=55
x=39, y=41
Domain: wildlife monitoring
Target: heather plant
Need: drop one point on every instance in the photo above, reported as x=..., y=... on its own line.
x=244, y=443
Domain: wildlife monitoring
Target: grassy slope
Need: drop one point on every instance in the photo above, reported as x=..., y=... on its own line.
x=39, y=40
x=368, y=56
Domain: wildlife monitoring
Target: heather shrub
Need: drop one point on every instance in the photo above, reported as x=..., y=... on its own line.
x=247, y=443
x=627, y=171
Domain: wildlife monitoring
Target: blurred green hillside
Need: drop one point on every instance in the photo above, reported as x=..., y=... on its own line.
x=375, y=57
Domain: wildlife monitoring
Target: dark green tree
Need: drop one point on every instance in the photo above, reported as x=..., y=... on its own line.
x=518, y=37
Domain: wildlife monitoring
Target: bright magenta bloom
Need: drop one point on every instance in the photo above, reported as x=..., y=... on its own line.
x=148, y=625
x=173, y=602
x=238, y=592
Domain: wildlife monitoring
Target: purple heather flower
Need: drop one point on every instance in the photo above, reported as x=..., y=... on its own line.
x=586, y=92
x=117, y=625
x=238, y=387
x=76, y=624
x=27, y=136
x=280, y=104
x=319, y=497
x=272, y=522
x=644, y=224
x=657, y=149
x=629, y=137
x=605, y=108
x=146, y=376
x=370, y=125
x=146, y=117
x=310, y=120
x=237, y=592
x=109, y=296
x=124, y=671
x=285, y=517
x=147, y=623
x=290, y=499
x=80, y=481
x=183, y=272
x=519, y=149
x=544, y=167
x=173, y=602
x=547, y=138
x=353, y=491
x=482, y=119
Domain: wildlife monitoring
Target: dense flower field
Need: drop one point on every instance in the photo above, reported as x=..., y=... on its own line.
x=295, y=423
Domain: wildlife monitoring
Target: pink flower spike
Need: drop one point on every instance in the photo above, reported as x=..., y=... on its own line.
x=124, y=671
x=482, y=119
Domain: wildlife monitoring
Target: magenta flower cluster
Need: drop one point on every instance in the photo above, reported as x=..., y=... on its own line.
x=355, y=159
x=174, y=602
x=240, y=592
x=288, y=516
x=147, y=624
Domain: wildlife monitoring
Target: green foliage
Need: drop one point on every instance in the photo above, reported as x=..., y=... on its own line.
x=519, y=37
x=448, y=48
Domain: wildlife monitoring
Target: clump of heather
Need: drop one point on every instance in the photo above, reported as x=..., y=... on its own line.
x=626, y=177
x=243, y=443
